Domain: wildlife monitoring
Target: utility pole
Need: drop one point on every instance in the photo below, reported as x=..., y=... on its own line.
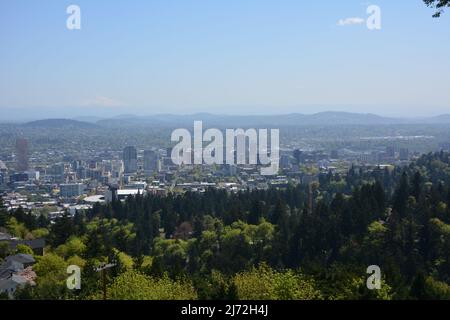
x=103, y=268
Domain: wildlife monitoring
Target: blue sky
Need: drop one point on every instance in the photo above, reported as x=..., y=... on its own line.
x=234, y=56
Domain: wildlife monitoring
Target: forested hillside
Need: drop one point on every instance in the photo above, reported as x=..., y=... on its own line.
x=304, y=242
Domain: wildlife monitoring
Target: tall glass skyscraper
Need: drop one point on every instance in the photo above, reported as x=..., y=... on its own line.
x=22, y=154
x=130, y=160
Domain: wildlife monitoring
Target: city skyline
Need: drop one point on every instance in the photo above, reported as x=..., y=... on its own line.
x=215, y=151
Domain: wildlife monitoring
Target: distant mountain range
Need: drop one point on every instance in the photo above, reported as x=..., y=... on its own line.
x=60, y=123
x=294, y=119
x=444, y=118
x=232, y=121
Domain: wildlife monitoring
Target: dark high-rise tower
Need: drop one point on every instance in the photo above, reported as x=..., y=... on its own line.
x=151, y=162
x=22, y=154
x=130, y=159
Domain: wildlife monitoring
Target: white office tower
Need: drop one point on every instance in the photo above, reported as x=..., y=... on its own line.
x=117, y=168
x=114, y=170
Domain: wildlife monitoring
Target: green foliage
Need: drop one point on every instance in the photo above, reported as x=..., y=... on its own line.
x=4, y=249
x=263, y=283
x=40, y=233
x=74, y=246
x=341, y=282
x=233, y=248
x=136, y=286
x=438, y=4
x=25, y=292
x=214, y=286
x=170, y=256
x=22, y=248
x=50, y=264
x=51, y=281
x=61, y=230
x=4, y=216
x=17, y=229
x=435, y=289
x=76, y=261
x=123, y=260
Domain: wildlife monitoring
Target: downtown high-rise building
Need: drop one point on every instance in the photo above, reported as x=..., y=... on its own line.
x=68, y=190
x=151, y=162
x=22, y=154
x=130, y=160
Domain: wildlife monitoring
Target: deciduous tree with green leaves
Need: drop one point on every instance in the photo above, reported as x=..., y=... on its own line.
x=133, y=285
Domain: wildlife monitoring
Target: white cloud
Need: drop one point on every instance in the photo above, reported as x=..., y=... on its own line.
x=102, y=101
x=351, y=21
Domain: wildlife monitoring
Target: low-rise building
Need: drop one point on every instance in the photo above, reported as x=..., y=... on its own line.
x=15, y=272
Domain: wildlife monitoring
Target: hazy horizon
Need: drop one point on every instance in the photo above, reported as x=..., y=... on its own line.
x=257, y=57
x=23, y=116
